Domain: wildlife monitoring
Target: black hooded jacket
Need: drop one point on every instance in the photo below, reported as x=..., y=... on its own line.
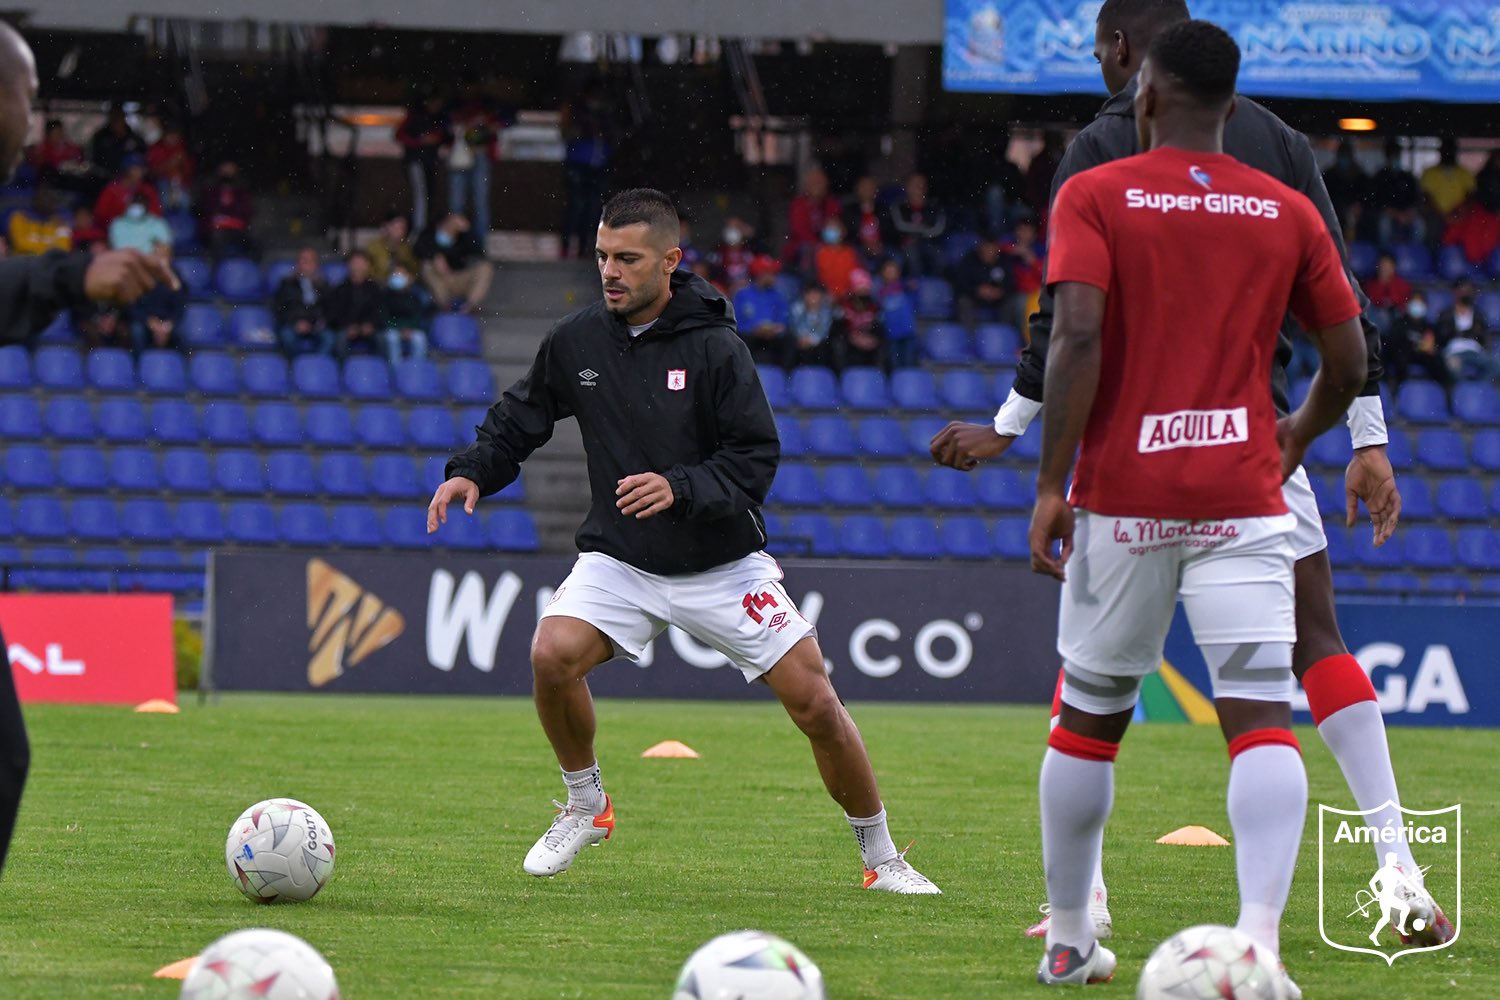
x=1255, y=137
x=683, y=400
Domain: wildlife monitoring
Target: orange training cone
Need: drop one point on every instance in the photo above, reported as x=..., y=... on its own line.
x=670, y=748
x=158, y=705
x=177, y=970
x=1194, y=836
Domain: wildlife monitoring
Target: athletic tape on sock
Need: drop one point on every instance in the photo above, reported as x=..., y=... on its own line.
x=1262, y=737
x=1083, y=747
x=1333, y=684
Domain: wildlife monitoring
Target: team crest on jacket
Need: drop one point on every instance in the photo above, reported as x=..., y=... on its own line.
x=677, y=379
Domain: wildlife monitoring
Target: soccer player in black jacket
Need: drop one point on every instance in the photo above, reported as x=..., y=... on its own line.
x=1339, y=692
x=681, y=450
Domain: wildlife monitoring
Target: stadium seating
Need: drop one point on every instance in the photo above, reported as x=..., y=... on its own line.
x=513, y=531
x=265, y=375
x=200, y=522
x=966, y=538
x=304, y=524
x=315, y=377
x=290, y=474
x=20, y=418
x=1441, y=450
x=1477, y=403
x=968, y=392
x=420, y=381
x=394, y=477
x=134, y=470
x=829, y=437
x=240, y=473
x=947, y=344
x=146, y=521
x=163, y=373
x=367, y=378
x=914, y=538
x=29, y=467
x=919, y=435
x=814, y=388
x=1423, y=402
x=949, y=489
x=226, y=423
x=251, y=328
x=1429, y=548
x=202, y=326
x=430, y=428
x=773, y=380
x=356, y=526
x=1004, y=489
x=277, y=424
x=82, y=468
x=239, y=280
x=1461, y=498
x=997, y=343
x=864, y=389
x=1486, y=450
x=404, y=528
x=329, y=425
x=862, y=536
x=70, y=418
x=934, y=298
x=455, y=335
x=898, y=487
x=15, y=367
x=342, y=474
x=847, y=485
x=796, y=485
x=120, y=420
x=380, y=426
x=58, y=368
x=187, y=470
x=1013, y=538
x=915, y=389
x=110, y=369
x=788, y=430
x=214, y=374
x=470, y=381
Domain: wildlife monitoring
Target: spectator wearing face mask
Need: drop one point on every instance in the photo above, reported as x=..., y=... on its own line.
x=453, y=264
x=224, y=213
x=863, y=220
x=760, y=313
x=1388, y=292
x=1465, y=337
x=731, y=259
x=811, y=321
x=835, y=261
x=408, y=311
x=898, y=316
x=861, y=335
x=812, y=209
x=174, y=169
x=1411, y=342
x=124, y=189
x=138, y=228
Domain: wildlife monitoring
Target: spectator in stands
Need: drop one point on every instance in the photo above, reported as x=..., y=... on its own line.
x=1023, y=255
x=100, y=323
x=861, y=338
x=1397, y=196
x=872, y=256
x=1041, y=171
x=424, y=135
x=1447, y=183
x=1412, y=342
x=761, y=313
x=356, y=310
x=1475, y=230
x=156, y=316
x=1465, y=338
x=813, y=208
x=408, y=310
x=86, y=230
x=1003, y=189
x=124, y=189
x=1388, y=291
x=138, y=228
x=1487, y=183
x=1348, y=187
x=300, y=308
x=453, y=264
x=44, y=227
x=866, y=225
x=731, y=261
x=898, y=315
x=173, y=168
x=588, y=128
x=918, y=225
x=56, y=156
x=476, y=135
x=835, y=260
x=225, y=210
x=391, y=247
x=114, y=142
x=981, y=283
x=811, y=321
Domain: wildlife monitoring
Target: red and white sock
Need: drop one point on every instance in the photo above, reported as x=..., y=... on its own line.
x=1077, y=791
x=1267, y=807
x=1343, y=706
x=1098, y=887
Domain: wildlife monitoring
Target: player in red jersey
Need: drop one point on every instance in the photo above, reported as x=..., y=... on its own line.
x=1171, y=272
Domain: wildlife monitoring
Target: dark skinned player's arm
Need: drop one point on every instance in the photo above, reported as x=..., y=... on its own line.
x=1071, y=379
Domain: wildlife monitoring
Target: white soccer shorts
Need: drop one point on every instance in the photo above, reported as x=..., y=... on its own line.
x=739, y=609
x=1307, y=537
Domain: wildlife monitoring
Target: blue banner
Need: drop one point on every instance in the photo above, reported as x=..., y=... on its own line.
x=1430, y=50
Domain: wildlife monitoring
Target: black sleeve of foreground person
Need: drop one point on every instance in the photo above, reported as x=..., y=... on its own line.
x=737, y=476
x=33, y=290
x=15, y=759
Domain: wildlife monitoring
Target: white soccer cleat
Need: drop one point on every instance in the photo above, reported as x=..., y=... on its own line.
x=1427, y=926
x=571, y=831
x=1104, y=926
x=899, y=877
x=1291, y=989
x=1064, y=966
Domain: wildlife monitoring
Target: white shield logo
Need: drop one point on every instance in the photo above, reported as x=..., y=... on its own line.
x=1368, y=913
x=677, y=379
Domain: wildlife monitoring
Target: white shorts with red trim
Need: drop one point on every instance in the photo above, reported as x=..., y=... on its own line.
x=739, y=608
x=1308, y=537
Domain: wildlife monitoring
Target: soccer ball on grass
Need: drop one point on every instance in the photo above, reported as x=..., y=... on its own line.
x=264, y=964
x=749, y=965
x=279, y=849
x=1210, y=963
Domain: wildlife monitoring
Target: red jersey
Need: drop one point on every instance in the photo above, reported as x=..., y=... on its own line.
x=1200, y=258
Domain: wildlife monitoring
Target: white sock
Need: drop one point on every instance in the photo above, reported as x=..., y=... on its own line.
x=1098, y=885
x=875, y=844
x=1076, y=798
x=1267, y=807
x=1356, y=737
x=585, y=789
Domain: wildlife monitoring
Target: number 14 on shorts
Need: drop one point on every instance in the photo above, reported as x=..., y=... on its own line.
x=754, y=604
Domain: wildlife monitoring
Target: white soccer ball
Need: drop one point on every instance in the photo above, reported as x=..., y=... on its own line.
x=749, y=965
x=1211, y=963
x=279, y=849
x=264, y=964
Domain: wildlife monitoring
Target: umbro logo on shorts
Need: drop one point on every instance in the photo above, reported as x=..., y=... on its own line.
x=588, y=377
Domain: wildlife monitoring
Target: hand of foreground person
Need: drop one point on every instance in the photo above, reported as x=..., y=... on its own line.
x=1051, y=522
x=122, y=276
x=961, y=446
x=453, y=489
x=1370, y=478
x=644, y=495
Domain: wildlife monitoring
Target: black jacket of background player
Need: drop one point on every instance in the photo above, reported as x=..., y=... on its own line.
x=714, y=439
x=1255, y=137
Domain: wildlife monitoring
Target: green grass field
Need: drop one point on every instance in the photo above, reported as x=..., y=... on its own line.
x=118, y=866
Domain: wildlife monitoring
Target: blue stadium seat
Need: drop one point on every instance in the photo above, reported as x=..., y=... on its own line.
x=200, y=522
x=430, y=428
x=1413, y=261
x=1477, y=403
x=134, y=470
x=957, y=245
x=968, y=391
x=8, y=553
x=915, y=538
x=949, y=489
x=226, y=422
x=947, y=344
x=1297, y=390
x=239, y=280
x=1439, y=299
x=251, y=523
x=513, y=531
x=1429, y=548
x=455, y=335
x=1478, y=549
x=809, y=535
x=915, y=389
x=305, y=524
x=59, y=331
x=789, y=285
x=15, y=367
x=471, y=381
x=58, y=368
x=29, y=467
x=380, y=426
x=82, y=468
x=796, y=485
x=815, y=388
x=1461, y=498
x=1028, y=447
x=1362, y=259
x=864, y=389
x=464, y=532
x=111, y=370
x=119, y=420
x=1488, y=305
x=1387, y=556
x=997, y=343
x=184, y=230
x=146, y=521
x=1417, y=503
x=214, y=374
x=514, y=493
x=202, y=326
x=433, y=474
x=277, y=424
x=829, y=436
x=276, y=271
x=1013, y=538
x=342, y=474
x=1397, y=583
x=356, y=526
x=934, y=298
x=1452, y=264
x=406, y=528
x=70, y=419
x=919, y=435
x=847, y=485
x=898, y=487
x=252, y=328
x=266, y=376
x=334, y=272
x=187, y=470
x=52, y=555
x=239, y=473
x=966, y=538
x=419, y=380
x=330, y=425
x=395, y=477
x=197, y=276
x=1004, y=489
x=1329, y=492
x=316, y=376
x=773, y=381
x=1443, y=451
x=787, y=430
x=20, y=418
x=1399, y=450
x=290, y=474
x=367, y=377
x=881, y=437
x=467, y=420
x=111, y=558
x=1447, y=584
x=1423, y=402
x=1495, y=502
x=862, y=536
x=1340, y=548
x=1330, y=449
x=163, y=373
